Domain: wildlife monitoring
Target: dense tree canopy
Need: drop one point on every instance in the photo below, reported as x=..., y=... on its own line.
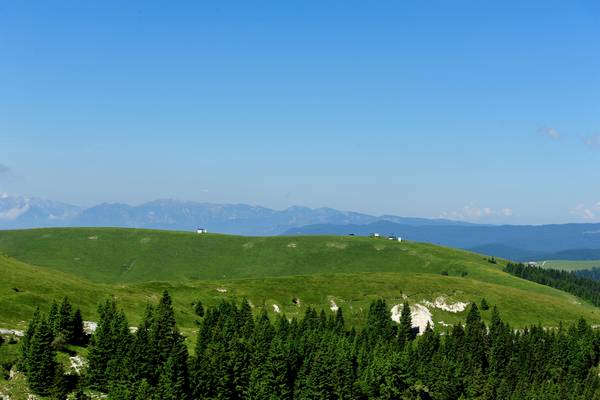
x=240, y=355
x=583, y=284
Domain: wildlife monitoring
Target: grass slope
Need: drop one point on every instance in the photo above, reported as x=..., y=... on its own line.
x=88, y=264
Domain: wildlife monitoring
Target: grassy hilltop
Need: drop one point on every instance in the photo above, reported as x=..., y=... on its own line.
x=285, y=273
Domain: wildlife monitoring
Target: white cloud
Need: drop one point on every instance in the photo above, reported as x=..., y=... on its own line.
x=550, y=133
x=588, y=213
x=507, y=212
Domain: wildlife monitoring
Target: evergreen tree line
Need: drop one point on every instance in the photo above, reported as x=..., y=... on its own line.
x=242, y=356
x=592, y=273
x=580, y=285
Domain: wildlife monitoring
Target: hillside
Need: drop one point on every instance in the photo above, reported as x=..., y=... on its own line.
x=280, y=273
x=515, y=242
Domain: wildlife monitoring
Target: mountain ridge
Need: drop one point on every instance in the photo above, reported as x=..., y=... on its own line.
x=17, y=212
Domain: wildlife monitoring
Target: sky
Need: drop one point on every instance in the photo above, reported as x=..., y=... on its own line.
x=479, y=111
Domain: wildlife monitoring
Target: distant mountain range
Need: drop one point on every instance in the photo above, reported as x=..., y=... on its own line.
x=22, y=212
x=516, y=242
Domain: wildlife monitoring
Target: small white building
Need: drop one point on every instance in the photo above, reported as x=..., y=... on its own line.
x=201, y=231
x=400, y=239
x=375, y=235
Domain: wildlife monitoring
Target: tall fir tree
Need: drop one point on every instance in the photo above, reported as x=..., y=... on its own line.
x=25, y=341
x=405, y=329
x=64, y=321
x=109, y=347
x=174, y=379
x=41, y=363
x=162, y=334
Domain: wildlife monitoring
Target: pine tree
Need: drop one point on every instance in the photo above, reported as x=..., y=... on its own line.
x=140, y=355
x=484, y=305
x=78, y=333
x=269, y=378
x=64, y=321
x=405, y=330
x=25, y=341
x=199, y=309
x=162, y=332
x=109, y=348
x=379, y=324
x=174, y=379
x=41, y=366
x=53, y=317
x=246, y=320
x=339, y=320
x=60, y=385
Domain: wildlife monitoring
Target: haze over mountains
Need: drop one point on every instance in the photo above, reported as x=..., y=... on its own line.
x=516, y=242
x=18, y=212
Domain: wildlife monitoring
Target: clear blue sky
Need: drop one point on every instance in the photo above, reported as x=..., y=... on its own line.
x=486, y=111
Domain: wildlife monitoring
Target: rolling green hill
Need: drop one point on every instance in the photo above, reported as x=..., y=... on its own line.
x=285, y=273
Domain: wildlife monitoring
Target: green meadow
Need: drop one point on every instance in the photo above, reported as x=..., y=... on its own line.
x=280, y=274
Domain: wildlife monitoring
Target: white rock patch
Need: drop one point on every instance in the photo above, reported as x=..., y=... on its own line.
x=441, y=304
x=419, y=314
x=332, y=306
x=396, y=312
x=221, y=290
x=276, y=308
x=93, y=237
x=77, y=364
x=12, y=332
x=292, y=245
x=90, y=327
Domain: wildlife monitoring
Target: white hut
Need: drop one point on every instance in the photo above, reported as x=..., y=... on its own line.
x=200, y=231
